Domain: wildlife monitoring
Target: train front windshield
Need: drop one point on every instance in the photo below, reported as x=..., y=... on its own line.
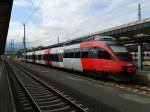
x=121, y=52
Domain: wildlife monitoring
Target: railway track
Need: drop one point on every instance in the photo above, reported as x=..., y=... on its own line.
x=126, y=86
x=36, y=96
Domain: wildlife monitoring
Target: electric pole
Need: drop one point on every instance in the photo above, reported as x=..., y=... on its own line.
x=139, y=12
x=12, y=45
x=140, y=65
x=58, y=39
x=24, y=39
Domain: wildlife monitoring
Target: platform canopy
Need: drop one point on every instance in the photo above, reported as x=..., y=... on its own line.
x=5, y=13
x=134, y=32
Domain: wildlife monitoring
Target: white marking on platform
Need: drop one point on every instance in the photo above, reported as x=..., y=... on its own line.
x=143, y=92
x=44, y=71
x=135, y=90
x=1, y=70
x=75, y=78
x=129, y=89
x=122, y=87
x=144, y=87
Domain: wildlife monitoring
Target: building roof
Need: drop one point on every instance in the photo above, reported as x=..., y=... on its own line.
x=133, y=32
x=5, y=13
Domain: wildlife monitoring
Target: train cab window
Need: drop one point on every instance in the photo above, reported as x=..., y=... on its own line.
x=102, y=54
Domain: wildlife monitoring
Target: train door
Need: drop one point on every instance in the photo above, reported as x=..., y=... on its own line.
x=104, y=61
x=86, y=59
x=76, y=60
x=94, y=58
x=33, y=57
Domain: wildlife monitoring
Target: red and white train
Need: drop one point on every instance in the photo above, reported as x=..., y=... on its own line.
x=100, y=55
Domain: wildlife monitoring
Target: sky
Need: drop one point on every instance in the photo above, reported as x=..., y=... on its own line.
x=46, y=20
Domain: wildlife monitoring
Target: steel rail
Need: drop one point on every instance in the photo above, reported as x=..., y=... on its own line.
x=51, y=88
x=10, y=71
x=132, y=87
x=69, y=101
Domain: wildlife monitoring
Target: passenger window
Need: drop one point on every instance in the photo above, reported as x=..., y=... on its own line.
x=56, y=57
x=50, y=57
x=66, y=55
x=60, y=57
x=85, y=54
x=38, y=57
x=71, y=55
x=33, y=56
x=46, y=57
x=77, y=54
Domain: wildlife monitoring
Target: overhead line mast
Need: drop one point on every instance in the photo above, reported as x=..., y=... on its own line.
x=24, y=39
x=140, y=65
x=139, y=12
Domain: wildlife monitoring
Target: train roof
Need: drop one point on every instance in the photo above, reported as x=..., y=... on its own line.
x=80, y=40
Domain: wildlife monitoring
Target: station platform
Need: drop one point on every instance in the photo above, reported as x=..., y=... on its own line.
x=143, y=75
x=6, y=104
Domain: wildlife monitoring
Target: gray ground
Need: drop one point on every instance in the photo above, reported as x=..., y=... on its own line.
x=99, y=96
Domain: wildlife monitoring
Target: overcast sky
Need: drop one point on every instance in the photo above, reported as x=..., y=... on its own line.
x=47, y=19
